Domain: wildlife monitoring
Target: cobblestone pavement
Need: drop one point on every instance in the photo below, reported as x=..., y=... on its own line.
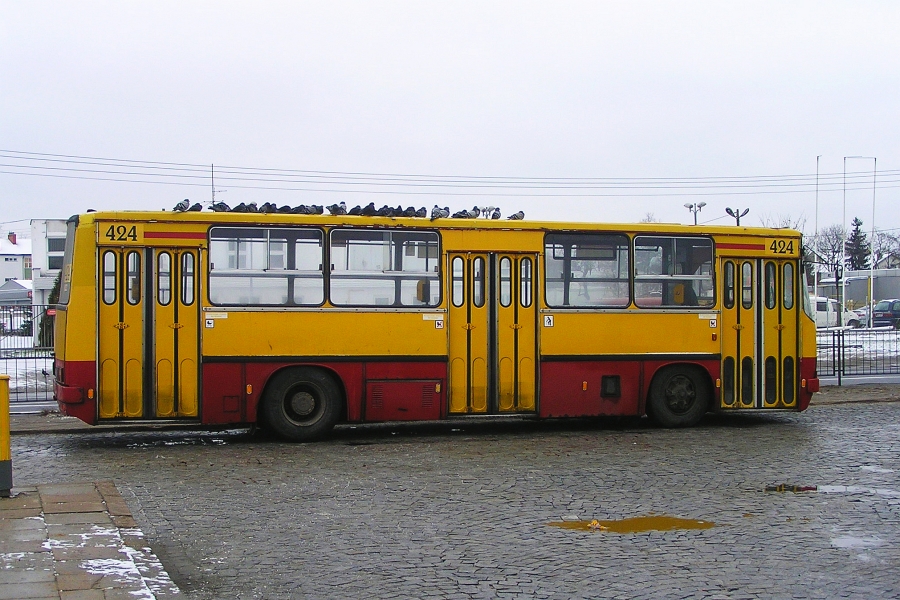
x=462, y=510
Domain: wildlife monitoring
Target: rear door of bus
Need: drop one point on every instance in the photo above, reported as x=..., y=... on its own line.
x=148, y=332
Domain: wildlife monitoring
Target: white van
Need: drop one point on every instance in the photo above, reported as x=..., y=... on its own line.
x=827, y=311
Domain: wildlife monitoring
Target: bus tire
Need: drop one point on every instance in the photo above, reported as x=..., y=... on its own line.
x=301, y=404
x=679, y=396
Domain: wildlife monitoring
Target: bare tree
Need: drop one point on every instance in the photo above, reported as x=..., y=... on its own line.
x=649, y=218
x=885, y=246
x=783, y=221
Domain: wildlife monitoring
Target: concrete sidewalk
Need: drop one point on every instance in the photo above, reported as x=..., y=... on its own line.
x=76, y=541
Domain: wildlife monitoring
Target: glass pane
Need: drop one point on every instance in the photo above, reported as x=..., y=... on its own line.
x=505, y=281
x=478, y=282
x=525, y=279
x=109, y=277
x=728, y=381
x=729, y=284
x=747, y=285
x=163, y=278
x=788, y=286
x=587, y=269
x=673, y=271
x=458, y=281
x=384, y=268
x=187, y=279
x=133, y=281
x=788, y=380
x=771, y=292
x=771, y=367
x=244, y=290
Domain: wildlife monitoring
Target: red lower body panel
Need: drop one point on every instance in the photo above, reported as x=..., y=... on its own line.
x=374, y=391
x=75, y=389
x=808, y=374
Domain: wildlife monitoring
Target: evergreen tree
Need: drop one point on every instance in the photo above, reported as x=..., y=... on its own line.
x=857, y=248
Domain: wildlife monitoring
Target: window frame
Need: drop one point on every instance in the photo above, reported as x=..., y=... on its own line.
x=665, y=279
x=568, y=240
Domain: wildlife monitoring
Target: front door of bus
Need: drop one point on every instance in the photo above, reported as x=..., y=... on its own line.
x=148, y=331
x=759, y=333
x=492, y=326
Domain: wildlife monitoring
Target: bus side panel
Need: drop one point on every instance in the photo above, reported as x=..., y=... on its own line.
x=224, y=394
x=574, y=388
x=808, y=374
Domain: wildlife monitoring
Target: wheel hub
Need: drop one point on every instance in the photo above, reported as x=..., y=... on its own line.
x=303, y=404
x=680, y=394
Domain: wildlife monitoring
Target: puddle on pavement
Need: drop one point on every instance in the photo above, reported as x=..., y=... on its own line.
x=635, y=524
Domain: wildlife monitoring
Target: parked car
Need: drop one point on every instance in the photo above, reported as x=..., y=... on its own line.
x=827, y=311
x=887, y=313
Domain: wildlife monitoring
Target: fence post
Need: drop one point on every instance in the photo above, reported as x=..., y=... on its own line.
x=5, y=442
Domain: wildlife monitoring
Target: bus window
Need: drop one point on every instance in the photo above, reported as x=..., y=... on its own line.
x=526, y=279
x=505, y=281
x=187, y=279
x=109, y=277
x=384, y=268
x=729, y=284
x=259, y=266
x=478, y=282
x=747, y=285
x=673, y=271
x=771, y=293
x=586, y=270
x=133, y=280
x=163, y=278
x=788, y=286
x=459, y=291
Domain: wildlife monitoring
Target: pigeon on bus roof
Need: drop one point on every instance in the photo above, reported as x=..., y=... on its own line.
x=241, y=208
x=410, y=211
x=460, y=214
x=474, y=213
x=268, y=207
x=300, y=209
x=384, y=211
x=284, y=209
x=369, y=210
x=439, y=213
x=220, y=207
x=197, y=207
x=516, y=216
x=356, y=210
x=338, y=209
x=495, y=214
x=252, y=207
x=422, y=213
x=316, y=209
x=182, y=206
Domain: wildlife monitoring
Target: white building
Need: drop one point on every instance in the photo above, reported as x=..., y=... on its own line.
x=48, y=241
x=15, y=258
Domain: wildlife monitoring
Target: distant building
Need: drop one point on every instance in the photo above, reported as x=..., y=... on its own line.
x=48, y=240
x=15, y=291
x=885, y=281
x=15, y=259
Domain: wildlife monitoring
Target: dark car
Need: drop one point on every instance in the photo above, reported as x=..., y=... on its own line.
x=887, y=313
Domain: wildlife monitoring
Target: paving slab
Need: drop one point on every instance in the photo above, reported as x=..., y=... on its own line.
x=60, y=541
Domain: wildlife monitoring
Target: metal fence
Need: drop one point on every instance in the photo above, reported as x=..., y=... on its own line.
x=26, y=351
x=858, y=352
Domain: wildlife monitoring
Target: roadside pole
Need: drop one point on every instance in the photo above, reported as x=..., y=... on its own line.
x=5, y=442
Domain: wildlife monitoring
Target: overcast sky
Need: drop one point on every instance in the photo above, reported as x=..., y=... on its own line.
x=594, y=111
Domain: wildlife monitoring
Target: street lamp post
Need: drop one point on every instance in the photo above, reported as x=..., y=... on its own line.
x=737, y=214
x=695, y=208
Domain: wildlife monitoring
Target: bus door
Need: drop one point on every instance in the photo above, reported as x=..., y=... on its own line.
x=148, y=333
x=779, y=333
x=759, y=333
x=492, y=323
x=176, y=327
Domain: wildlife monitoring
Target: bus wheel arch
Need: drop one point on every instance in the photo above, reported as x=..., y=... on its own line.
x=302, y=404
x=679, y=395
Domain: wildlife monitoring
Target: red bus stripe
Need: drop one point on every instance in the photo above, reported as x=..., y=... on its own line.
x=174, y=235
x=741, y=246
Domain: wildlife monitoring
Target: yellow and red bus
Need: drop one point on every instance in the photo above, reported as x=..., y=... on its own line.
x=299, y=322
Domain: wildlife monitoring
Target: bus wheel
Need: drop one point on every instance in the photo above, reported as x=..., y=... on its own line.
x=301, y=404
x=679, y=397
